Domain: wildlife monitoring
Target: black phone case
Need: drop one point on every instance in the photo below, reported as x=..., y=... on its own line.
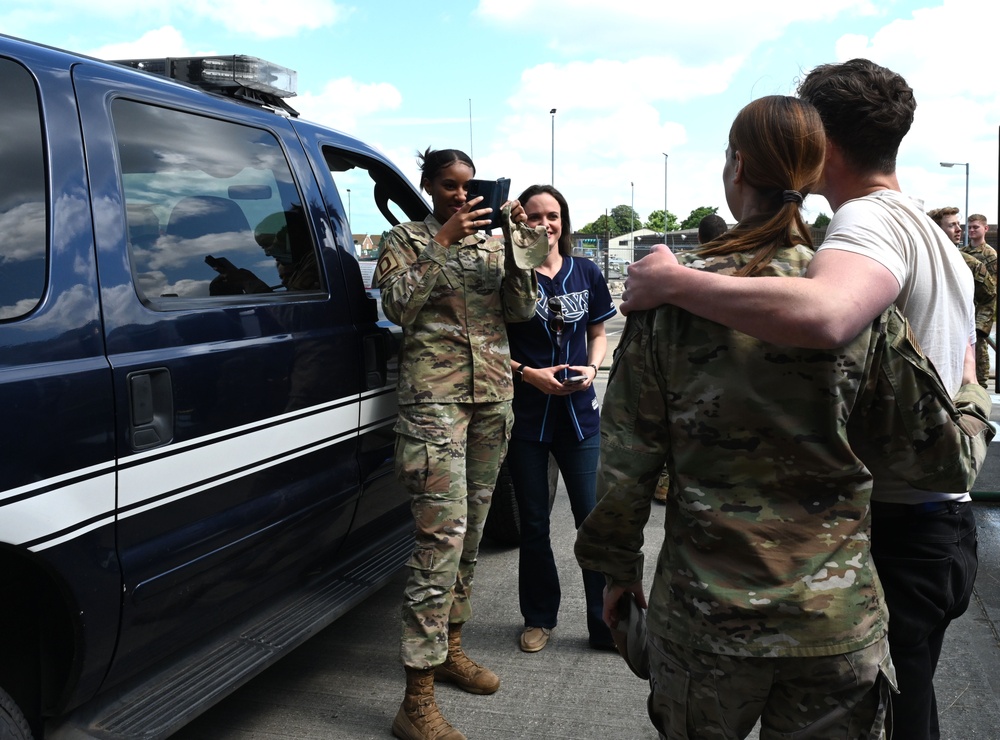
x=494, y=194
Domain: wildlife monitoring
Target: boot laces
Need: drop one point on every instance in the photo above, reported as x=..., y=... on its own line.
x=463, y=663
x=430, y=713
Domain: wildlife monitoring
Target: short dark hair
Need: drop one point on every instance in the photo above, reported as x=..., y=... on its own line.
x=565, y=240
x=866, y=111
x=432, y=161
x=711, y=227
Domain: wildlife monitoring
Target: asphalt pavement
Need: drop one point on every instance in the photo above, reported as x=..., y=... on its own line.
x=347, y=682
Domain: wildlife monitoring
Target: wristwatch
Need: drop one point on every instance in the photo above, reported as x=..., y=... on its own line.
x=519, y=374
x=595, y=369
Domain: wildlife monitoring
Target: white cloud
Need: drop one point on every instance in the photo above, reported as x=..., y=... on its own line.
x=603, y=82
x=696, y=30
x=258, y=18
x=269, y=19
x=342, y=102
x=161, y=42
x=958, y=101
x=617, y=114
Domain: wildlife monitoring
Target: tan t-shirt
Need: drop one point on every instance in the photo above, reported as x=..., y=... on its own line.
x=935, y=289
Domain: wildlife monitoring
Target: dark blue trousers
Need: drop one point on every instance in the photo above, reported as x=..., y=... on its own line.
x=538, y=579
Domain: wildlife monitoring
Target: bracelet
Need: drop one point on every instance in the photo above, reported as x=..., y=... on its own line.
x=595, y=369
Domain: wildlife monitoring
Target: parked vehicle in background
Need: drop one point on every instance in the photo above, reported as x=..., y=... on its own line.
x=198, y=391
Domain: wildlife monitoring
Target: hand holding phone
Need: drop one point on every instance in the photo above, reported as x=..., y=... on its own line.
x=494, y=194
x=574, y=380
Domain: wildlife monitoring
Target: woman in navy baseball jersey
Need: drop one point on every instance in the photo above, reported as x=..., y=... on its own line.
x=555, y=358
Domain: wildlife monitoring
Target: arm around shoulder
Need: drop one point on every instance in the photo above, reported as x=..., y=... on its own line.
x=841, y=294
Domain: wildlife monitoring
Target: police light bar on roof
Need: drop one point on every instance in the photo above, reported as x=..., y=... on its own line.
x=235, y=75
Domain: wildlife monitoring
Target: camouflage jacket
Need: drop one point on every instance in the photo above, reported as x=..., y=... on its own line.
x=766, y=548
x=982, y=261
x=453, y=303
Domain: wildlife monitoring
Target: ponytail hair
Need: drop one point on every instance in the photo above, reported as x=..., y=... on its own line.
x=783, y=146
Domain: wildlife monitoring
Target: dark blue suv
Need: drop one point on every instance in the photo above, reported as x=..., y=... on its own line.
x=197, y=391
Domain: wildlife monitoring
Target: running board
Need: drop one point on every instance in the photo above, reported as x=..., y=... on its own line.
x=167, y=701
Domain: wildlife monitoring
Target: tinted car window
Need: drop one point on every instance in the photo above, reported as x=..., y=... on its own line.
x=211, y=207
x=23, y=211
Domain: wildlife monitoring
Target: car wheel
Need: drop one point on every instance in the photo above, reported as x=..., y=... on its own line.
x=13, y=725
x=503, y=523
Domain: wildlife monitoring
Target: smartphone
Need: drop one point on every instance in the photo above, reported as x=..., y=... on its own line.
x=494, y=194
x=220, y=264
x=574, y=379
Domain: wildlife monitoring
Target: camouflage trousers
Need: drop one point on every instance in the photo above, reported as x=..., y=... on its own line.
x=982, y=359
x=697, y=694
x=447, y=456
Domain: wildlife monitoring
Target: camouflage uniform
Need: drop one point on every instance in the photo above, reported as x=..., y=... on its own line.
x=766, y=550
x=455, y=391
x=982, y=260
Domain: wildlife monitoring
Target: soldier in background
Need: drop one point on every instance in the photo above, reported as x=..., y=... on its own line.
x=947, y=218
x=766, y=554
x=984, y=275
x=986, y=299
x=452, y=288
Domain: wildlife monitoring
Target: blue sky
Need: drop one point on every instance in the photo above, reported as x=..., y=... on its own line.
x=630, y=81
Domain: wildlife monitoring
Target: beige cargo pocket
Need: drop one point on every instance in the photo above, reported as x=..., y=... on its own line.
x=423, y=460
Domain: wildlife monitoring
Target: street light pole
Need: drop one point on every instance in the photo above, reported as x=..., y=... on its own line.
x=349, y=206
x=552, y=178
x=631, y=226
x=666, y=157
x=965, y=237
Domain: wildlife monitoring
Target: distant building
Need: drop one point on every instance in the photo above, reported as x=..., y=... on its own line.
x=366, y=245
x=620, y=249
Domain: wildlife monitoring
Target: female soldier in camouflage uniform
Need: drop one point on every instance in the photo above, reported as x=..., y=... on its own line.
x=764, y=603
x=452, y=289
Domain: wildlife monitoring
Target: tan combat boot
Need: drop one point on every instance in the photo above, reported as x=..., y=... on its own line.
x=662, y=487
x=462, y=671
x=418, y=717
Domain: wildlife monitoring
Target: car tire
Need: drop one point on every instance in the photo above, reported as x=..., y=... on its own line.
x=503, y=523
x=13, y=725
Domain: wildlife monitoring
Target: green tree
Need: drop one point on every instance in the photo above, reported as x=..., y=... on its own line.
x=821, y=221
x=692, y=221
x=626, y=219
x=655, y=221
x=601, y=226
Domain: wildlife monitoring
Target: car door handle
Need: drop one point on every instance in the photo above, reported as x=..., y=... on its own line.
x=151, y=408
x=376, y=357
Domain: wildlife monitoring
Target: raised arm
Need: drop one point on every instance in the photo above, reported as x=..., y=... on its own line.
x=407, y=273
x=520, y=284
x=841, y=294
